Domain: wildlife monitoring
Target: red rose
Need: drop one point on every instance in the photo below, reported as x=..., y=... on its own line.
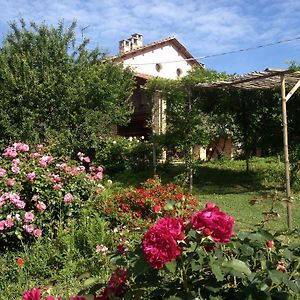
x=219, y=223
x=174, y=226
x=270, y=244
x=159, y=247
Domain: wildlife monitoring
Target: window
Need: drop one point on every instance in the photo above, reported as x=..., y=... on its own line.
x=179, y=72
x=158, y=67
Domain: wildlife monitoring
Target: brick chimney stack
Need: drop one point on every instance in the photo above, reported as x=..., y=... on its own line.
x=134, y=42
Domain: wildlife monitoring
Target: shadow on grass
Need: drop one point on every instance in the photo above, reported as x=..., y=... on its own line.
x=208, y=180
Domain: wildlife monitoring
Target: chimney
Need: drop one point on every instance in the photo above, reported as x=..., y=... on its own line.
x=136, y=41
x=124, y=46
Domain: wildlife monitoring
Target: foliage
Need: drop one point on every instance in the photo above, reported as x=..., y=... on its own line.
x=139, y=207
x=40, y=192
x=119, y=153
x=196, y=263
x=53, y=88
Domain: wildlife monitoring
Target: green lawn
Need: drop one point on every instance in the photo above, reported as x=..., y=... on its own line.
x=254, y=199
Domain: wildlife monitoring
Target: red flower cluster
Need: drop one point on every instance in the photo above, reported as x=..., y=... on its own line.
x=159, y=243
x=147, y=203
x=211, y=221
x=116, y=286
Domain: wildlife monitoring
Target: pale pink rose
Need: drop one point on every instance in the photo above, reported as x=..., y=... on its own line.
x=20, y=204
x=31, y=176
x=68, y=198
x=56, y=177
x=98, y=176
x=9, y=223
x=14, y=197
x=28, y=228
x=41, y=206
x=39, y=147
x=10, y=152
x=34, y=155
x=5, y=196
x=15, y=169
x=101, y=249
x=23, y=147
x=10, y=182
x=92, y=168
x=15, y=161
x=81, y=168
x=37, y=233
x=86, y=159
x=61, y=166
x=28, y=217
x=2, y=172
x=100, y=169
x=2, y=225
x=58, y=186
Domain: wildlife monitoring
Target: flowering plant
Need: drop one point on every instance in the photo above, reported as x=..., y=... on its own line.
x=37, y=190
x=152, y=200
x=201, y=258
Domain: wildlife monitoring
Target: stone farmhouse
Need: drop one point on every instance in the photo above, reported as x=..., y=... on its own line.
x=166, y=58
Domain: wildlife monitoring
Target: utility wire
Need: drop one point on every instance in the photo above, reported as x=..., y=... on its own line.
x=219, y=54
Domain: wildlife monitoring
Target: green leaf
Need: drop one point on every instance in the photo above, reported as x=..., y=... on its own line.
x=90, y=281
x=237, y=265
x=171, y=266
x=277, y=276
x=217, y=272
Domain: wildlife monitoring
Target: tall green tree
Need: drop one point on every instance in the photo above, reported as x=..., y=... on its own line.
x=52, y=87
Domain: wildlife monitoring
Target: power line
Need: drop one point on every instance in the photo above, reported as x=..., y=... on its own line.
x=220, y=54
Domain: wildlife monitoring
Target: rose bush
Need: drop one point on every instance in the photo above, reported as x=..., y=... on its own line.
x=201, y=258
x=39, y=191
x=152, y=200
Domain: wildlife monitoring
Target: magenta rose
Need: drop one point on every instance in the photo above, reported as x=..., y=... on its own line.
x=174, y=226
x=33, y=294
x=211, y=219
x=159, y=247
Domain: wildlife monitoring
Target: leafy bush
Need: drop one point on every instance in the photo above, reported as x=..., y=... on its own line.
x=119, y=154
x=144, y=205
x=39, y=191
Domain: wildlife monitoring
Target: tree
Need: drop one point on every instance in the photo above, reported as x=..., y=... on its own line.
x=53, y=88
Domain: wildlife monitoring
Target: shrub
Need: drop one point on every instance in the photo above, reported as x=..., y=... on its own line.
x=144, y=205
x=119, y=154
x=38, y=191
x=202, y=259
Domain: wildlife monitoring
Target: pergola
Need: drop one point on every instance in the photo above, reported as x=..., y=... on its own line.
x=268, y=79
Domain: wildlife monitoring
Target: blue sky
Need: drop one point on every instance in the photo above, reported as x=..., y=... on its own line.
x=205, y=27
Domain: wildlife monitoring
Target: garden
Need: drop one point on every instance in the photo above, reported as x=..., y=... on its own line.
x=88, y=215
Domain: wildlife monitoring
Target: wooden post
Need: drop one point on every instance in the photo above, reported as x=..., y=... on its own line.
x=286, y=153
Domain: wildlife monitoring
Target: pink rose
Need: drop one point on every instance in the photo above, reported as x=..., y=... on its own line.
x=58, y=186
x=68, y=198
x=219, y=223
x=2, y=225
x=41, y=206
x=101, y=249
x=33, y=294
x=98, y=176
x=37, y=233
x=159, y=247
x=9, y=223
x=174, y=226
x=28, y=228
x=10, y=182
x=20, y=204
x=10, y=152
x=31, y=176
x=39, y=147
x=2, y=172
x=28, y=217
x=15, y=169
x=34, y=155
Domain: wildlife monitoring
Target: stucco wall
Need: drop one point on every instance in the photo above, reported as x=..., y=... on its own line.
x=160, y=55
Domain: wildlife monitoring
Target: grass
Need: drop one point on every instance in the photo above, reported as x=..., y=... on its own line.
x=255, y=198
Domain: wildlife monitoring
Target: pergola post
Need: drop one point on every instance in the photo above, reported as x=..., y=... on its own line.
x=286, y=153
